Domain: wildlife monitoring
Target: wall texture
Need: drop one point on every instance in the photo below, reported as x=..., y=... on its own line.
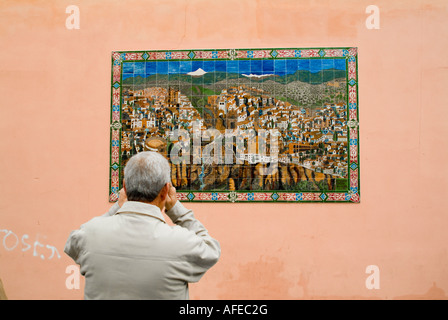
x=54, y=129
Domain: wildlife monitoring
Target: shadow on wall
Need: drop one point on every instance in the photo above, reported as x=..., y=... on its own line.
x=2, y=292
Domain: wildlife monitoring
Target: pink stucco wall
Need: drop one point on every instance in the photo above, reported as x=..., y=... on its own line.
x=54, y=129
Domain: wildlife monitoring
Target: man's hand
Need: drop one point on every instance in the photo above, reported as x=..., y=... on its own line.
x=171, y=198
x=122, y=198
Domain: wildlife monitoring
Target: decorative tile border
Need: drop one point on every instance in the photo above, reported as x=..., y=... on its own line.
x=352, y=195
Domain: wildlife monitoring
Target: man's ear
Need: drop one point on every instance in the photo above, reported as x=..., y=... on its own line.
x=164, y=191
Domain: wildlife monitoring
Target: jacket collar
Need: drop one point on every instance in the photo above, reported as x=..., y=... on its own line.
x=141, y=208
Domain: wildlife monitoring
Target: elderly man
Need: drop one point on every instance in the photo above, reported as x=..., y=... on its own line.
x=131, y=252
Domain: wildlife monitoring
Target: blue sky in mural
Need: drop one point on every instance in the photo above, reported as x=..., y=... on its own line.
x=279, y=67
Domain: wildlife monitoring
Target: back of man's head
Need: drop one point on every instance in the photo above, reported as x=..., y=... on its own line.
x=145, y=175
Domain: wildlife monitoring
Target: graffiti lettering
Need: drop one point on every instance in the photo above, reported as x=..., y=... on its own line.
x=11, y=241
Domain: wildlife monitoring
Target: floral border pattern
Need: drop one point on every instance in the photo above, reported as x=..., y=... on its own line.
x=350, y=54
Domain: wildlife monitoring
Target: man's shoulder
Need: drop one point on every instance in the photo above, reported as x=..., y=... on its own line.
x=181, y=237
x=97, y=222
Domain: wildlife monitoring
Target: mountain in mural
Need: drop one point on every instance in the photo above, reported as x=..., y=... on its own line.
x=200, y=77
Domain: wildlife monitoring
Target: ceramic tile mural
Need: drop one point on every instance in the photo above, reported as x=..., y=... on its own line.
x=241, y=125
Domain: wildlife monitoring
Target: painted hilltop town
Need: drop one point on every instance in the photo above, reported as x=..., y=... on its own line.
x=303, y=112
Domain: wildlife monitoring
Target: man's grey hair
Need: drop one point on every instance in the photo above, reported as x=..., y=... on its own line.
x=145, y=174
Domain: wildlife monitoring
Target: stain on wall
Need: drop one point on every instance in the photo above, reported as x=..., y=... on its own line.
x=260, y=279
x=433, y=293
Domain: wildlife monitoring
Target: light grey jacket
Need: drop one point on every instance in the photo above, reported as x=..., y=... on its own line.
x=132, y=253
